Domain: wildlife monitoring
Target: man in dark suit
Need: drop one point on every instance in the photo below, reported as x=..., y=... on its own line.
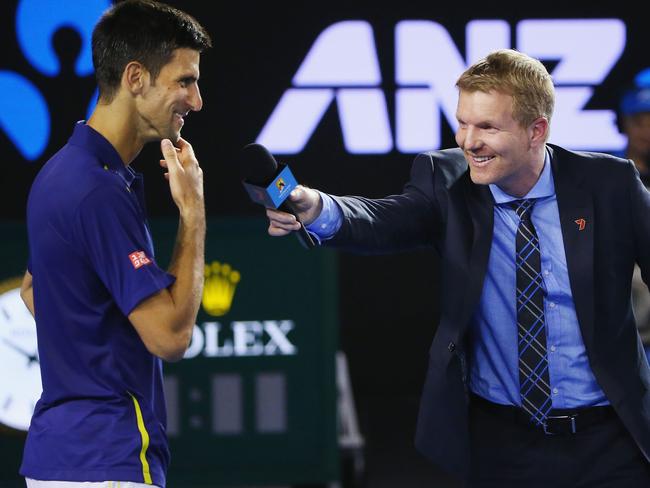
x=537, y=376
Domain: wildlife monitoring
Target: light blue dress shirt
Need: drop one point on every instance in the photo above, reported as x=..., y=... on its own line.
x=493, y=351
x=328, y=221
x=494, y=368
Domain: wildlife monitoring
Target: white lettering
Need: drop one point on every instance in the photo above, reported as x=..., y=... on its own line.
x=344, y=54
x=342, y=65
x=586, y=51
x=343, y=57
x=484, y=36
x=242, y=338
x=212, y=346
x=277, y=332
x=247, y=338
x=294, y=120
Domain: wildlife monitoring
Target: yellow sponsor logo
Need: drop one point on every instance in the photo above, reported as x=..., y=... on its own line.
x=219, y=288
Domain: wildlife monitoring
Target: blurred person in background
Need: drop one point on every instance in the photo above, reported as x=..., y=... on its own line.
x=633, y=120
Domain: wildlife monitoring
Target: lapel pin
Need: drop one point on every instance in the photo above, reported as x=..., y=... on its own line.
x=581, y=223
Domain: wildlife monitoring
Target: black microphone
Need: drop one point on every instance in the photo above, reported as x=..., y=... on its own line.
x=270, y=184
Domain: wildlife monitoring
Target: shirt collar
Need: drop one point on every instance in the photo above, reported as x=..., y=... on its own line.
x=88, y=138
x=544, y=187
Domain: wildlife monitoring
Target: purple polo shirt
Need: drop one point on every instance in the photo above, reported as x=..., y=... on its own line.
x=102, y=413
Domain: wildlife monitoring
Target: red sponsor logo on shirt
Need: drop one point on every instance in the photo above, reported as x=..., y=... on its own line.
x=139, y=259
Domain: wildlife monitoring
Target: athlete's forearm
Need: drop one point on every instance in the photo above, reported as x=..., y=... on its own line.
x=187, y=265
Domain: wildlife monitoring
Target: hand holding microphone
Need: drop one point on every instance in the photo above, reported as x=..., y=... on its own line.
x=306, y=204
x=288, y=204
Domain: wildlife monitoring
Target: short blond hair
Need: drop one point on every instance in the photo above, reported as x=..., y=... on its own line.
x=518, y=75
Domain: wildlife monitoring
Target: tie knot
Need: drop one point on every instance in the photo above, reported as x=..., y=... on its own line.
x=523, y=207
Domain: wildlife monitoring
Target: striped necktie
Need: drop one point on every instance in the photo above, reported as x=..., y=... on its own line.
x=533, y=359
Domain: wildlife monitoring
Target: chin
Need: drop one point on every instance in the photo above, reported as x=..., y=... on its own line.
x=480, y=179
x=172, y=136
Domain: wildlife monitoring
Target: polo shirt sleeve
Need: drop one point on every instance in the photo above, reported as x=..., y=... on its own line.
x=112, y=234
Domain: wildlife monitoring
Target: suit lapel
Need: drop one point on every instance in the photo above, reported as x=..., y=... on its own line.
x=577, y=221
x=481, y=210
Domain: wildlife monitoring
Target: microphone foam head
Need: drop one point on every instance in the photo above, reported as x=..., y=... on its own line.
x=257, y=164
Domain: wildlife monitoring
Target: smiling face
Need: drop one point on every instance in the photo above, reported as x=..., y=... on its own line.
x=496, y=146
x=164, y=103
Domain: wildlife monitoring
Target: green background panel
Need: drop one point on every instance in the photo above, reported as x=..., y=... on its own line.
x=279, y=281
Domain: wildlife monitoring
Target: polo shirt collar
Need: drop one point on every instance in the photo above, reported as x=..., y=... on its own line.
x=88, y=138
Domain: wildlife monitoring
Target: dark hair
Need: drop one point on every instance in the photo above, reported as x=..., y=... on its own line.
x=145, y=31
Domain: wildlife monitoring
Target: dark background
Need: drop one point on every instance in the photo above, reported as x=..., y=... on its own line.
x=388, y=304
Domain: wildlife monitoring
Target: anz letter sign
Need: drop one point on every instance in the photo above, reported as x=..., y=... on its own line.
x=343, y=66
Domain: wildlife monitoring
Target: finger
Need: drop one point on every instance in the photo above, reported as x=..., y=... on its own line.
x=277, y=231
x=285, y=226
x=281, y=217
x=187, y=149
x=163, y=163
x=170, y=155
x=299, y=194
x=272, y=213
x=183, y=145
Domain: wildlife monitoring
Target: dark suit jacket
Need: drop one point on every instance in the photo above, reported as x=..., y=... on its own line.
x=440, y=207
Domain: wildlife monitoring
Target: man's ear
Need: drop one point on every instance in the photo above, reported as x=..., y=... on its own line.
x=135, y=77
x=538, y=131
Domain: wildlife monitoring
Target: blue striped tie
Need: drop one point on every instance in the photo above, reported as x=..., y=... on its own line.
x=533, y=359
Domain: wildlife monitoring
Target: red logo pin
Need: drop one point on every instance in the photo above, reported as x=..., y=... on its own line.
x=581, y=223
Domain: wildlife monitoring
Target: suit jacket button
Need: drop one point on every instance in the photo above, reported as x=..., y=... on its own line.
x=451, y=347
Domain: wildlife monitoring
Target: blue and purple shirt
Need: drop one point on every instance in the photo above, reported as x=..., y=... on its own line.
x=102, y=414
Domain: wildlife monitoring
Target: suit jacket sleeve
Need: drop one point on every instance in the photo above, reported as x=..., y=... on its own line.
x=401, y=222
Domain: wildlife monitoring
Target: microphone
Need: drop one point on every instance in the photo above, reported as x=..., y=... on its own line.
x=270, y=184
